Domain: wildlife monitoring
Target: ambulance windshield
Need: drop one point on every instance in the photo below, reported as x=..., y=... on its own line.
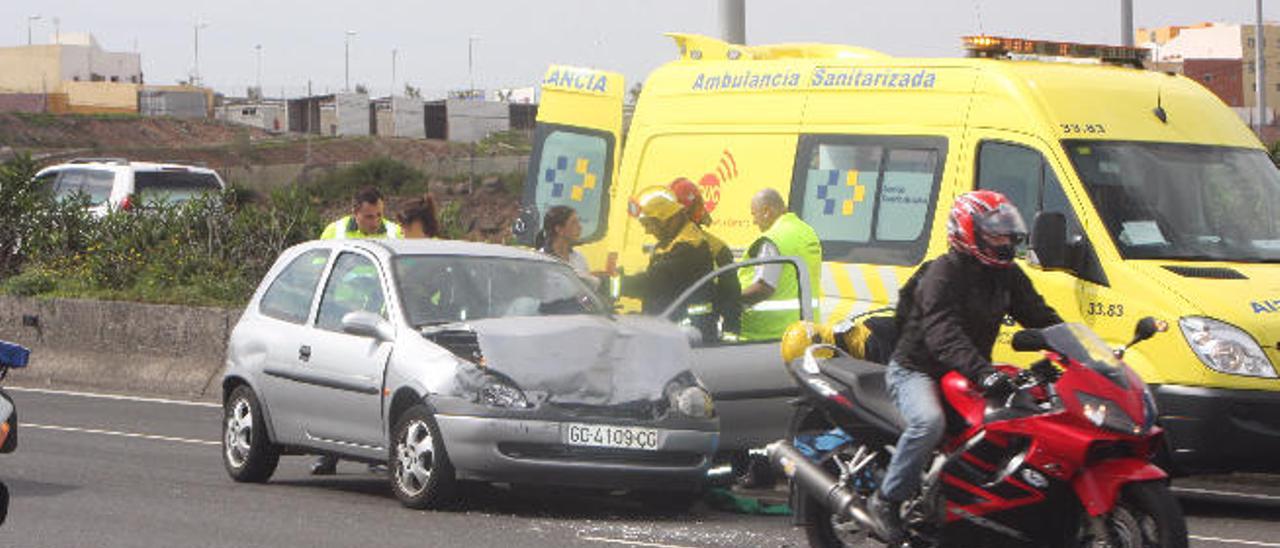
x=1183, y=202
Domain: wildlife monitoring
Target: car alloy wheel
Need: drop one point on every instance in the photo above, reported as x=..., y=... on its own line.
x=415, y=458
x=239, y=433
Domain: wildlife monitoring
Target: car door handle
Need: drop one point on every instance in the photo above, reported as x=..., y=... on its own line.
x=304, y=353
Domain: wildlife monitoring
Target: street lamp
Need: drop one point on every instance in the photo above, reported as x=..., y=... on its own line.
x=347, y=56
x=30, y=19
x=195, y=77
x=394, y=51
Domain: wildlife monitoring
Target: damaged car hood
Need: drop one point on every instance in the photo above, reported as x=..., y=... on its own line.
x=585, y=360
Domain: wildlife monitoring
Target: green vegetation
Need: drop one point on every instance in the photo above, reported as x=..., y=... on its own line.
x=210, y=251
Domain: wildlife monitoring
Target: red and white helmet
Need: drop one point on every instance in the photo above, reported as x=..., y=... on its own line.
x=987, y=226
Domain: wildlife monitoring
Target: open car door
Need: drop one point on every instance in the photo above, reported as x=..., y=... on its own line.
x=575, y=150
x=747, y=379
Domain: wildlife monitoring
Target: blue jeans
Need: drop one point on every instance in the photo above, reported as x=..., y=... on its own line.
x=916, y=396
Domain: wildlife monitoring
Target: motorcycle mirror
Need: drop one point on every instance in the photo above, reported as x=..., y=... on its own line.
x=1029, y=340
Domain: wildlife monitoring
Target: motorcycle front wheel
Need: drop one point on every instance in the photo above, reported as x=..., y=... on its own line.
x=1146, y=516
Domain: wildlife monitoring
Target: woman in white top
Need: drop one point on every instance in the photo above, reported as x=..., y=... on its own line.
x=560, y=231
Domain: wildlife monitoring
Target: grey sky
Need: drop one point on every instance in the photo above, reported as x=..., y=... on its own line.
x=518, y=39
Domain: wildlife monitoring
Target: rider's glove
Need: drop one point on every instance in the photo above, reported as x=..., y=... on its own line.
x=996, y=384
x=1046, y=371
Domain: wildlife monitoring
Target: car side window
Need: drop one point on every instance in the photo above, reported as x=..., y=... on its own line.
x=290, y=295
x=870, y=199
x=96, y=184
x=353, y=286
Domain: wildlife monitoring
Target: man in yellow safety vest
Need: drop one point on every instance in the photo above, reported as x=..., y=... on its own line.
x=771, y=293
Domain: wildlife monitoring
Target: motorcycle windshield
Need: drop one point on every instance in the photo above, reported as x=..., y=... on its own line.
x=1081, y=344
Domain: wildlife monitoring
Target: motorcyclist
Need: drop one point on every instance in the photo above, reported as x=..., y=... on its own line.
x=680, y=258
x=954, y=316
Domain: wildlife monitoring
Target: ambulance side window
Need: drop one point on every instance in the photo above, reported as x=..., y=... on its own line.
x=870, y=199
x=573, y=169
x=1023, y=176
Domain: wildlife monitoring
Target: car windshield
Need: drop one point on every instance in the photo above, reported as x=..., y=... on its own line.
x=1079, y=343
x=439, y=289
x=170, y=187
x=1183, y=202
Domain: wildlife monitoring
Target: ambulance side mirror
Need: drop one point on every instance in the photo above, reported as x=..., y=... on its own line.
x=1049, y=241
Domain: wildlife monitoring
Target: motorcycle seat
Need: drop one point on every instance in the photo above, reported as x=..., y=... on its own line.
x=870, y=394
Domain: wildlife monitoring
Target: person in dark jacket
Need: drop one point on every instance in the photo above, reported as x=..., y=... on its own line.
x=680, y=258
x=955, y=313
x=725, y=302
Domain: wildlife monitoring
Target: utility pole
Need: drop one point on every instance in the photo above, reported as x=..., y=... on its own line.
x=195, y=77
x=471, y=40
x=733, y=21
x=393, y=72
x=1260, y=62
x=259, y=49
x=30, y=19
x=57, y=30
x=1126, y=23
x=347, y=62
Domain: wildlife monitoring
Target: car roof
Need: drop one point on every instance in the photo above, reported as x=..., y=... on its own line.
x=427, y=246
x=111, y=164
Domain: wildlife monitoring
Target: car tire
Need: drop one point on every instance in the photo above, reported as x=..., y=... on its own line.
x=421, y=475
x=247, y=453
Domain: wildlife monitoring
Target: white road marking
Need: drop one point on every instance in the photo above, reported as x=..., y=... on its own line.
x=112, y=397
x=1196, y=491
x=24, y=425
x=632, y=542
x=1234, y=541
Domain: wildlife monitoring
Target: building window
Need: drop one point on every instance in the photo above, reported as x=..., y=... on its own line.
x=1208, y=78
x=115, y=79
x=1249, y=42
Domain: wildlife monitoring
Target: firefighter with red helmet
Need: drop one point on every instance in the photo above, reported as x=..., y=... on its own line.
x=954, y=307
x=680, y=258
x=725, y=301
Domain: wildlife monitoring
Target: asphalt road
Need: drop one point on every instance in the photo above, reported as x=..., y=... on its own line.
x=101, y=472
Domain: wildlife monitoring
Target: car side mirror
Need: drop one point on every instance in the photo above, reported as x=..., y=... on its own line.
x=1049, y=240
x=1029, y=340
x=1147, y=328
x=362, y=323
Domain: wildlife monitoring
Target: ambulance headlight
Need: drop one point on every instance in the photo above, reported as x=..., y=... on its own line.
x=1226, y=348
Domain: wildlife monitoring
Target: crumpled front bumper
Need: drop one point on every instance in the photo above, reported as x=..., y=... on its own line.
x=532, y=450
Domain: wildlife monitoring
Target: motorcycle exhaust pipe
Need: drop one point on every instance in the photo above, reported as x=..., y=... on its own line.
x=817, y=482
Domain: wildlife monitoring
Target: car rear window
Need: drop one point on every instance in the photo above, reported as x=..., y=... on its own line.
x=171, y=187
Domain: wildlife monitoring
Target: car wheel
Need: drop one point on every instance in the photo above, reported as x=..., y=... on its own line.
x=246, y=452
x=421, y=475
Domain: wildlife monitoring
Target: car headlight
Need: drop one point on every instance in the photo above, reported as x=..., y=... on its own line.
x=1105, y=413
x=499, y=393
x=691, y=401
x=1226, y=348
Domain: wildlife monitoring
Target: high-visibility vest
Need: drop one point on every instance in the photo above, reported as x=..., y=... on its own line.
x=339, y=230
x=768, y=319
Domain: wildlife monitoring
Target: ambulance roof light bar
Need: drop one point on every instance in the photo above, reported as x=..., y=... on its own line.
x=998, y=47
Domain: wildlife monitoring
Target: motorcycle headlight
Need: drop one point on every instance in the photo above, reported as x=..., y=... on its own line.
x=499, y=393
x=1105, y=413
x=1226, y=348
x=692, y=401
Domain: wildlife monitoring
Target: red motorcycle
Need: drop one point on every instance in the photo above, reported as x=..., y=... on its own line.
x=1064, y=461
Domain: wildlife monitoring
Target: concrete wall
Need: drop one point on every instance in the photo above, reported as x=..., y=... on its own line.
x=471, y=121
x=102, y=96
x=87, y=62
x=120, y=346
x=24, y=102
x=33, y=69
x=183, y=103
x=407, y=115
x=269, y=116
x=1221, y=76
x=272, y=177
x=352, y=114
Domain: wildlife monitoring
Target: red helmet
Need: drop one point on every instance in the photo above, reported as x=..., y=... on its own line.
x=987, y=226
x=687, y=194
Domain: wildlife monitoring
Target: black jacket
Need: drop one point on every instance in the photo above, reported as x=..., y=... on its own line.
x=674, y=266
x=957, y=309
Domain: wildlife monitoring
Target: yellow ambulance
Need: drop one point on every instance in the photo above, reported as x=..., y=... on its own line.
x=1149, y=195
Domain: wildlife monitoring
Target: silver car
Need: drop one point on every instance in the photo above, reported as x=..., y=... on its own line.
x=459, y=361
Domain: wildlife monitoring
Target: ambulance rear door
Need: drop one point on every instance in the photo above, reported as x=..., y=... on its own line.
x=575, y=150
